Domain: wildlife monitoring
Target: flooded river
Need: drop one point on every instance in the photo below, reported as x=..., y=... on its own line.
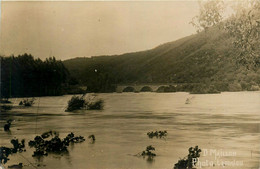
x=217, y=123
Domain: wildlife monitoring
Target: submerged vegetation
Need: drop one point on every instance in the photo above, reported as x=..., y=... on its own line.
x=95, y=105
x=27, y=102
x=5, y=151
x=42, y=145
x=4, y=108
x=188, y=162
x=55, y=144
x=157, y=134
x=149, y=152
x=8, y=125
x=92, y=137
x=76, y=103
x=79, y=102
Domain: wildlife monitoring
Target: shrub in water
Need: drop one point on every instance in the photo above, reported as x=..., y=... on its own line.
x=95, y=105
x=92, y=137
x=187, y=162
x=18, y=147
x=157, y=134
x=4, y=108
x=55, y=144
x=5, y=151
x=4, y=154
x=148, y=152
x=79, y=102
x=76, y=103
x=27, y=102
x=8, y=125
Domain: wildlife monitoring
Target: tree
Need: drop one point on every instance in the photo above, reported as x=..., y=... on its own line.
x=210, y=14
x=243, y=27
x=25, y=76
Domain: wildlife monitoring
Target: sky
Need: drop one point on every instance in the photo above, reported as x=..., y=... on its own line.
x=67, y=29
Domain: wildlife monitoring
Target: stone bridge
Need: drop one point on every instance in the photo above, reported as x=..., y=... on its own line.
x=141, y=87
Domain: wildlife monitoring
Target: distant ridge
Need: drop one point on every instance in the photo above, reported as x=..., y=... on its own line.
x=207, y=57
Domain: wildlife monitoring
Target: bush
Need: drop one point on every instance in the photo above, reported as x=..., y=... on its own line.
x=54, y=145
x=148, y=152
x=8, y=125
x=96, y=105
x=27, y=102
x=187, y=162
x=5, y=151
x=157, y=134
x=79, y=102
x=76, y=103
x=4, y=108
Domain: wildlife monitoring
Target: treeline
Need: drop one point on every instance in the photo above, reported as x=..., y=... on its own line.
x=25, y=76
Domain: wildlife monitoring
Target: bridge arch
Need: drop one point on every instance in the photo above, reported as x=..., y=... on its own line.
x=146, y=89
x=160, y=89
x=129, y=89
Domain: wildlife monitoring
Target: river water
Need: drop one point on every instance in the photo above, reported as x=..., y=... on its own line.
x=226, y=123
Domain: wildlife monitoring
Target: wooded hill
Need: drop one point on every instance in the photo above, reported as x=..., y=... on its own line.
x=207, y=58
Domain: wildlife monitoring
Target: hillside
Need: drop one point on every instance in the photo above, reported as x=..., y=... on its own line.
x=206, y=58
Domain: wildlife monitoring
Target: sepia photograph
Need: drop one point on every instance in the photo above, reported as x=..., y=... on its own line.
x=143, y=84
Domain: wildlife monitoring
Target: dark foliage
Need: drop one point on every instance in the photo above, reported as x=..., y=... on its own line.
x=95, y=105
x=148, y=152
x=27, y=102
x=79, y=102
x=54, y=145
x=4, y=108
x=92, y=137
x=5, y=151
x=157, y=134
x=24, y=76
x=76, y=103
x=4, y=154
x=17, y=146
x=8, y=125
x=186, y=162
